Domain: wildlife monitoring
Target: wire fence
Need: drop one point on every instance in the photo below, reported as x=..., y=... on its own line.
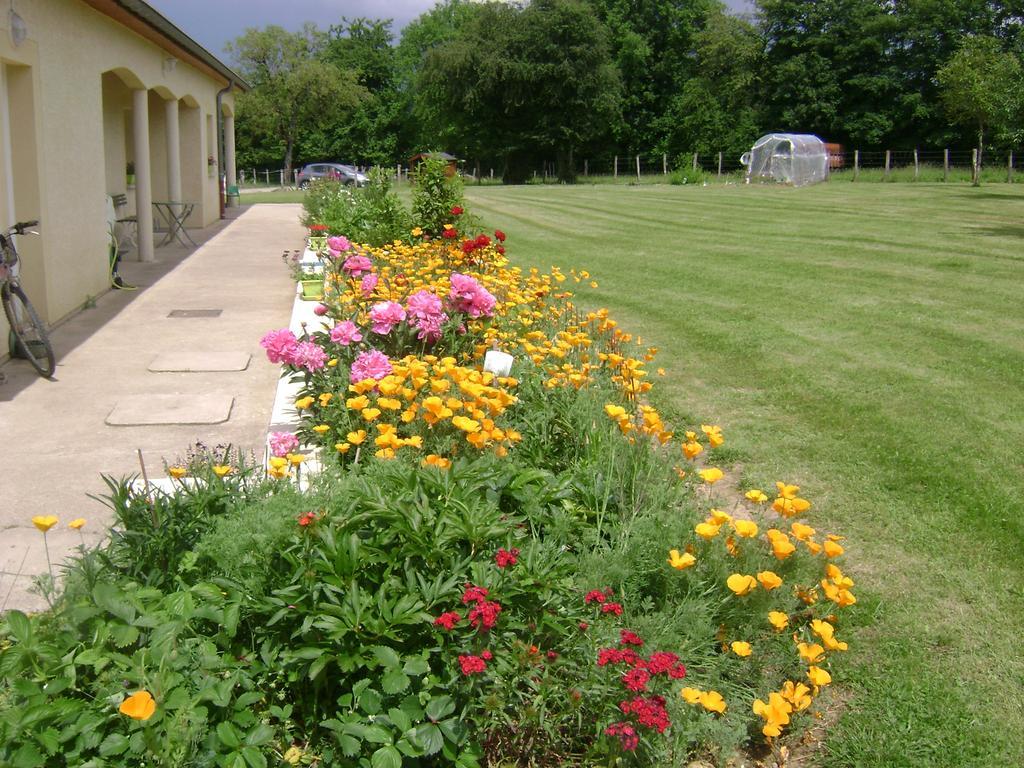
x=926, y=165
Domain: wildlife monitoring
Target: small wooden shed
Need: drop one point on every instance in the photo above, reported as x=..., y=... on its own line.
x=452, y=160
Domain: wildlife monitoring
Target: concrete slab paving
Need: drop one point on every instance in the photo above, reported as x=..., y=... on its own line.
x=197, y=361
x=143, y=410
x=57, y=442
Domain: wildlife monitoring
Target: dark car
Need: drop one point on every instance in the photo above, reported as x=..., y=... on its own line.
x=346, y=174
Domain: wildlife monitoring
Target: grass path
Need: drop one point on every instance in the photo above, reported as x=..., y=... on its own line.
x=866, y=342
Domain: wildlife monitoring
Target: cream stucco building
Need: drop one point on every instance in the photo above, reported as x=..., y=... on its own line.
x=86, y=87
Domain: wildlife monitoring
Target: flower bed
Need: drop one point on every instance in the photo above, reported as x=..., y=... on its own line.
x=525, y=567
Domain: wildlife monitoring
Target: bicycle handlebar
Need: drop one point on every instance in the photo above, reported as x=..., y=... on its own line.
x=21, y=226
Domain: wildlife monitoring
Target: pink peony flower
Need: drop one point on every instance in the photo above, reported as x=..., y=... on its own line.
x=355, y=266
x=345, y=333
x=340, y=243
x=320, y=310
x=467, y=295
x=426, y=315
x=370, y=365
x=279, y=345
x=283, y=443
x=385, y=315
x=308, y=355
x=368, y=284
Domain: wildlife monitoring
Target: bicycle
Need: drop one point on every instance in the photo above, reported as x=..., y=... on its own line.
x=28, y=334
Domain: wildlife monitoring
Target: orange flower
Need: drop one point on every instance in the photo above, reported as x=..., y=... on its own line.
x=769, y=580
x=778, y=619
x=745, y=528
x=711, y=475
x=138, y=706
x=741, y=584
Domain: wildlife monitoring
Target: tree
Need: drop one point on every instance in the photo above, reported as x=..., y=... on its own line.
x=981, y=87
x=292, y=89
x=523, y=84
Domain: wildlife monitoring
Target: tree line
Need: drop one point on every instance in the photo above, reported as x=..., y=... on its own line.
x=510, y=85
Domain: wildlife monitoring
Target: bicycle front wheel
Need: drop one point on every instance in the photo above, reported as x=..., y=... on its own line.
x=32, y=341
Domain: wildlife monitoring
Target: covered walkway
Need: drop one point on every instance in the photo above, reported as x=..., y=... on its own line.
x=143, y=370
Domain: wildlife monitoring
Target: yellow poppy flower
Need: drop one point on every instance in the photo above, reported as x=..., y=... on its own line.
x=756, y=496
x=138, y=706
x=433, y=460
x=177, y=472
x=220, y=470
x=44, y=522
x=322, y=429
x=714, y=434
x=416, y=232
x=832, y=549
x=810, y=652
x=801, y=531
x=741, y=584
x=706, y=531
x=680, y=561
x=712, y=475
x=745, y=528
x=615, y=411
x=369, y=414
x=692, y=450
x=718, y=517
x=342, y=447
x=357, y=437
x=741, y=648
x=304, y=402
x=691, y=695
x=818, y=676
x=712, y=701
x=465, y=424
x=77, y=523
x=325, y=398
x=769, y=580
x=296, y=458
x=778, y=619
x=797, y=694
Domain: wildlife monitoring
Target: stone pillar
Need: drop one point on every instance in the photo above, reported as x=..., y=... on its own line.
x=229, y=150
x=173, y=150
x=143, y=178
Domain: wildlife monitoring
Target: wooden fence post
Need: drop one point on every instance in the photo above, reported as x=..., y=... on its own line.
x=664, y=164
x=492, y=174
x=719, y=165
x=616, y=171
x=945, y=164
x=1009, y=169
x=974, y=166
x=586, y=168
x=856, y=164
x=917, y=168
x=638, y=167
x=695, y=161
x=888, y=163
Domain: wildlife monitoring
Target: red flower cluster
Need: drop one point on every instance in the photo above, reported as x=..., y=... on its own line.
x=456, y=210
x=626, y=733
x=663, y=662
x=309, y=517
x=598, y=595
x=474, y=594
x=628, y=637
x=472, y=665
x=615, y=608
x=484, y=613
x=636, y=679
x=482, y=241
x=317, y=227
x=447, y=620
x=499, y=235
x=449, y=234
x=626, y=656
x=650, y=712
x=506, y=557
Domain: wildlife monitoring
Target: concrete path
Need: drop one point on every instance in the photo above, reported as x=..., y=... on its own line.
x=130, y=376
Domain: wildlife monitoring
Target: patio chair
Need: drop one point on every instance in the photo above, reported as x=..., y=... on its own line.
x=127, y=226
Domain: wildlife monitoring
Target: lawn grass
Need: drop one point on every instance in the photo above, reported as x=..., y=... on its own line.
x=867, y=343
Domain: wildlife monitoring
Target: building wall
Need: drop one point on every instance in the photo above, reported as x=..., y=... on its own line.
x=71, y=139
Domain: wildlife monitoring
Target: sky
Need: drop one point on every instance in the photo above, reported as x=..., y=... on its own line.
x=212, y=23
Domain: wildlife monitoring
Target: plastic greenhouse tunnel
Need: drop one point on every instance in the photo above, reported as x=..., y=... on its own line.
x=788, y=158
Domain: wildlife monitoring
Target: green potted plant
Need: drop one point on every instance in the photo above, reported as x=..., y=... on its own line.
x=129, y=174
x=317, y=237
x=310, y=278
